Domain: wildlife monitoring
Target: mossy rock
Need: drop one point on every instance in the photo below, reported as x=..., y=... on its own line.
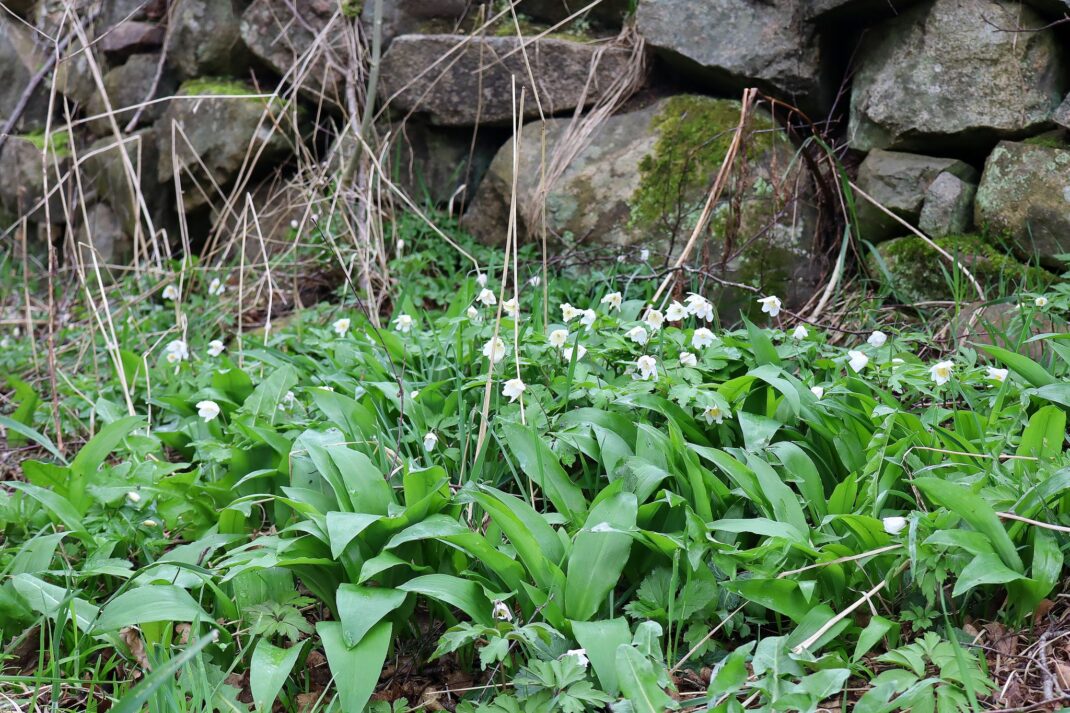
x=917, y=273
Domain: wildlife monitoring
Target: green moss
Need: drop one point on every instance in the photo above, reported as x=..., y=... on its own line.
x=60, y=141
x=576, y=31
x=1050, y=140
x=215, y=86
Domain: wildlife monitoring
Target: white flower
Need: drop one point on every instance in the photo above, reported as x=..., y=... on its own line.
x=133, y=496
x=941, y=372
x=341, y=326
x=713, y=415
x=644, y=255
x=770, y=305
x=481, y=279
x=648, y=367
x=614, y=300
x=511, y=308
x=817, y=391
x=897, y=361
x=702, y=338
x=699, y=306
x=857, y=360
x=494, y=350
x=676, y=312
x=588, y=318
x=654, y=319
x=566, y=353
x=535, y=280
x=558, y=337
x=289, y=400
x=800, y=333
x=894, y=525
x=207, y=410
x=877, y=339
x=430, y=440
x=688, y=359
x=638, y=335
x=473, y=314
x=294, y=224
x=580, y=654
x=149, y=523
x=487, y=298
x=513, y=388
x=414, y=393
x=501, y=612
x=176, y=351
x=1041, y=301
x=170, y=292
x=216, y=287
x=403, y=323
x=996, y=374
x=569, y=313
x=216, y=347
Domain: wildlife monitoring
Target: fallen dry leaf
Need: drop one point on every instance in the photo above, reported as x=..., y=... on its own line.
x=132, y=638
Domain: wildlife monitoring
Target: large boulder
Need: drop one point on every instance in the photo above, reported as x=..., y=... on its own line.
x=129, y=85
x=412, y=17
x=949, y=75
x=474, y=84
x=1025, y=196
x=948, y=206
x=218, y=134
x=642, y=179
x=734, y=45
x=900, y=182
x=281, y=33
x=20, y=58
x=856, y=11
x=1062, y=114
x=99, y=234
x=106, y=172
x=26, y=177
x=206, y=39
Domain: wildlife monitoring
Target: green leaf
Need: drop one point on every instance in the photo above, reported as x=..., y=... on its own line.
x=266, y=397
x=35, y=436
x=464, y=594
x=876, y=629
x=361, y=608
x=974, y=510
x=156, y=602
x=598, y=557
x=100, y=446
x=1021, y=365
x=601, y=639
x=984, y=569
x=639, y=682
x=764, y=351
x=269, y=668
x=535, y=541
x=344, y=527
x=347, y=414
x=540, y=464
x=1043, y=436
x=134, y=700
x=49, y=600
x=57, y=505
x=355, y=669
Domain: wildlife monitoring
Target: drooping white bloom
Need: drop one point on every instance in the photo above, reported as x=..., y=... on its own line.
x=648, y=367
x=770, y=305
x=1041, y=301
x=535, y=280
x=341, y=326
x=857, y=360
x=941, y=372
x=676, y=312
x=170, y=292
x=207, y=410
x=713, y=415
x=558, y=337
x=702, y=338
x=513, y=388
x=638, y=335
x=614, y=300
x=481, y=279
x=149, y=523
x=688, y=359
x=216, y=347
x=588, y=318
x=473, y=314
x=134, y=496
x=176, y=351
x=566, y=353
x=877, y=339
x=494, y=350
x=569, y=313
x=894, y=525
x=817, y=391
x=699, y=306
x=580, y=654
x=501, y=612
x=216, y=287
x=414, y=393
x=997, y=374
x=288, y=400
x=404, y=323
x=430, y=439
x=511, y=307
x=654, y=319
x=487, y=298
x=800, y=333
x=644, y=255
x=294, y=224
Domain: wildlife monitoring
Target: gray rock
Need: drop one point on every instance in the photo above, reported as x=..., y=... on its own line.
x=129, y=85
x=100, y=235
x=643, y=178
x=115, y=11
x=948, y=207
x=434, y=163
x=1062, y=114
x=1025, y=195
x=20, y=59
x=409, y=17
x=23, y=177
x=856, y=11
x=474, y=85
x=221, y=131
x=734, y=44
x=104, y=169
x=944, y=75
x=131, y=36
x=206, y=39
x=899, y=182
x=281, y=32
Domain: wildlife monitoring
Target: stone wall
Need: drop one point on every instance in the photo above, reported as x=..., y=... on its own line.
x=953, y=114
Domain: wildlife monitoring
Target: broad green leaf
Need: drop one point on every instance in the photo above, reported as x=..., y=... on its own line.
x=875, y=631
x=266, y=397
x=347, y=414
x=36, y=555
x=355, y=669
x=32, y=434
x=599, y=555
x=974, y=510
x=535, y=542
x=156, y=602
x=1043, y=436
x=57, y=505
x=344, y=527
x=639, y=682
x=1025, y=367
x=269, y=668
x=984, y=569
x=100, y=446
x=761, y=345
x=361, y=608
x=365, y=484
x=464, y=594
x=540, y=464
x=601, y=640
x=49, y=600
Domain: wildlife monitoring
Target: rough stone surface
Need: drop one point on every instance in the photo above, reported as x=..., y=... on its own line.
x=475, y=83
x=1025, y=195
x=899, y=182
x=102, y=230
x=432, y=163
x=206, y=39
x=220, y=132
x=1062, y=114
x=132, y=36
x=948, y=207
x=281, y=32
x=19, y=60
x=116, y=11
x=407, y=17
x=945, y=75
x=22, y=180
x=628, y=186
x=105, y=170
x=737, y=44
x=129, y=85
x=864, y=11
